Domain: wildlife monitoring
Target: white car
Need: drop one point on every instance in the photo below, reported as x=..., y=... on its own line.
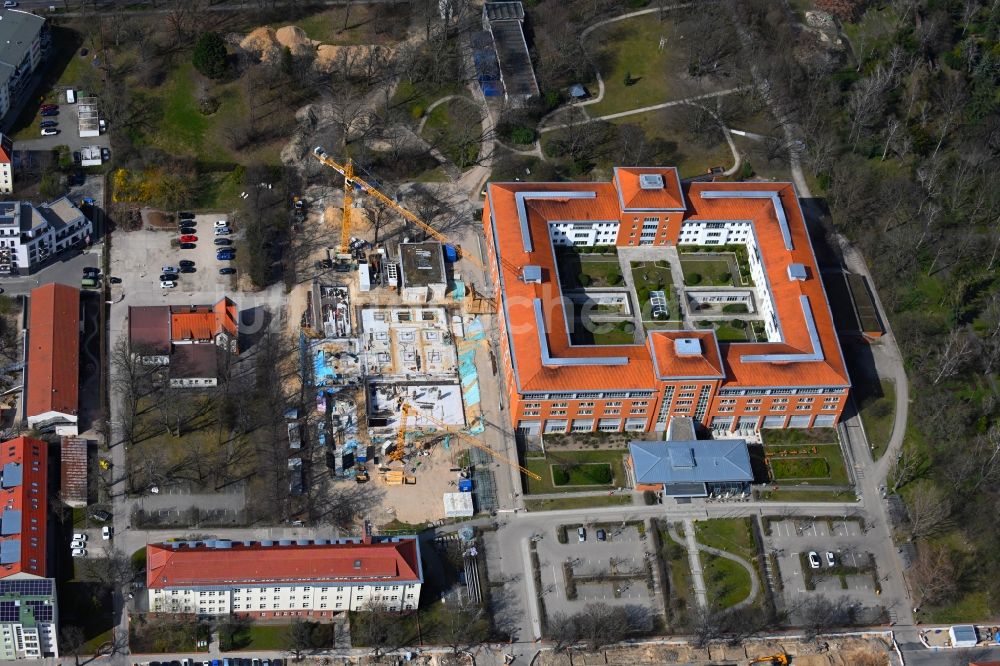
x=168, y=269
x=106, y=532
x=167, y=284
x=221, y=223
x=813, y=559
x=78, y=544
x=9, y=4
x=222, y=231
x=49, y=131
x=79, y=536
x=79, y=552
x=831, y=561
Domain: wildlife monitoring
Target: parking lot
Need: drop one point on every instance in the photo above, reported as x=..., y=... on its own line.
x=613, y=571
x=854, y=575
x=69, y=133
x=139, y=256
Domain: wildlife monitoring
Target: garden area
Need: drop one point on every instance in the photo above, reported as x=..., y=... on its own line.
x=603, y=333
x=454, y=127
x=878, y=413
x=709, y=272
x=574, y=471
x=735, y=330
x=807, y=462
x=734, y=254
x=677, y=569
x=580, y=270
x=650, y=276
x=727, y=582
x=171, y=635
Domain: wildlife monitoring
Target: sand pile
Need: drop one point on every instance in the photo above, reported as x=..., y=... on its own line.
x=263, y=43
x=353, y=59
x=295, y=39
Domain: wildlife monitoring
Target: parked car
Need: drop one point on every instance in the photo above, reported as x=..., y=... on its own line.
x=167, y=284
x=168, y=277
x=227, y=271
x=225, y=257
x=168, y=269
x=185, y=262
x=48, y=107
x=188, y=269
x=602, y=535
x=185, y=215
x=581, y=534
x=55, y=123
x=831, y=561
x=223, y=241
x=186, y=231
x=49, y=131
x=107, y=532
x=8, y=4
x=77, y=544
x=76, y=178
x=221, y=223
x=79, y=552
x=188, y=246
x=813, y=559
x=188, y=238
x=100, y=515
x=91, y=270
x=105, y=154
x=115, y=280
x=79, y=536
x=49, y=112
x=222, y=231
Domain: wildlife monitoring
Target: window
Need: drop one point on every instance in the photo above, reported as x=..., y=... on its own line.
x=803, y=408
x=613, y=403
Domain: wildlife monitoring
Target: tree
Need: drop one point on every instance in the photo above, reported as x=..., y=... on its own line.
x=933, y=574
x=210, y=56
x=298, y=637
x=462, y=627
x=51, y=185
x=563, y=631
x=71, y=639
x=601, y=624
x=928, y=508
x=820, y=614
x=379, y=629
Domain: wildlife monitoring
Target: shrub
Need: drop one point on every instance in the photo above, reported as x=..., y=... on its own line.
x=560, y=477
x=521, y=134
x=738, y=323
x=735, y=308
x=599, y=474
x=210, y=57
x=694, y=278
x=583, y=280
x=725, y=277
x=615, y=279
x=704, y=323
x=648, y=497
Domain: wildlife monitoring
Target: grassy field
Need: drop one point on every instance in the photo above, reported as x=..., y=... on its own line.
x=617, y=333
x=822, y=462
x=576, y=502
x=649, y=276
x=690, y=159
x=726, y=582
x=600, y=271
x=726, y=332
x=707, y=272
x=970, y=607
x=878, y=412
x=454, y=128
x=631, y=49
x=543, y=467
x=415, y=100
x=365, y=24
x=730, y=534
x=583, y=475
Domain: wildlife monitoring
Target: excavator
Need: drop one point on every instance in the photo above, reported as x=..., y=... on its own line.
x=774, y=660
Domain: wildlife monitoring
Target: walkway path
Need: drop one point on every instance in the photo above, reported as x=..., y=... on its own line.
x=694, y=561
x=754, y=581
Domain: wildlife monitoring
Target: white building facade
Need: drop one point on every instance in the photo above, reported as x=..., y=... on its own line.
x=28, y=618
x=23, y=40
x=30, y=235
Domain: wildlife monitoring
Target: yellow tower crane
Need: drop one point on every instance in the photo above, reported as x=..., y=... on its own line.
x=350, y=179
x=397, y=453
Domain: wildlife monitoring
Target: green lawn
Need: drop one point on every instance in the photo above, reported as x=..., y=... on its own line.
x=973, y=606
x=726, y=582
x=730, y=534
x=726, y=332
x=810, y=462
x=583, y=475
x=784, y=495
x=632, y=48
x=599, y=270
x=454, y=128
x=878, y=413
x=649, y=276
x=607, y=333
x=576, y=502
x=366, y=24
x=415, y=99
x=707, y=272
x=268, y=637
x=543, y=468
x=690, y=158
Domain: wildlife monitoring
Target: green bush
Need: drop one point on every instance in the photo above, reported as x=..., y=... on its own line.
x=725, y=277
x=599, y=474
x=738, y=323
x=583, y=280
x=521, y=134
x=210, y=57
x=704, y=323
x=694, y=278
x=735, y=308
x=560, y=477
x=616, y=278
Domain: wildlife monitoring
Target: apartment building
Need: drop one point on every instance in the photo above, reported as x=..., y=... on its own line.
x=52, y=392
x=6, y=164
x=28, y=618
x=793, y=375
x=23, y=39
x=31, y=235
x=290, y=578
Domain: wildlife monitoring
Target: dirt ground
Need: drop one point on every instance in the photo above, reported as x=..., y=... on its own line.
x=423, y=501
x=822, y=652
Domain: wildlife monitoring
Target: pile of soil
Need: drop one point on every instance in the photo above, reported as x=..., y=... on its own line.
x=263, y=43
x=295, y=39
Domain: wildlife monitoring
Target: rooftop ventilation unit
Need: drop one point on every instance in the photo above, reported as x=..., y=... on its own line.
x=651, y=181
x=302, y=542
x=357, y=564
x=224, y=544
x=687, y=346
x=532, y=274
x=266, y=543
x=320, y=542
x=796, y=272
x=284, y=542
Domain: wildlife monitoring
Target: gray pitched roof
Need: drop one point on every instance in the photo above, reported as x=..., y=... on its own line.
x=694, y=461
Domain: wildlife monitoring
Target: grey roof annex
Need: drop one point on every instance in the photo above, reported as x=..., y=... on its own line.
x=694, y=461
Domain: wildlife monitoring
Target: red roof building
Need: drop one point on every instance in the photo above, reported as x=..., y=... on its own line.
x=52, y=397
x=792, y=375
x=24, y=464
x=73, y=471
x=266, y=578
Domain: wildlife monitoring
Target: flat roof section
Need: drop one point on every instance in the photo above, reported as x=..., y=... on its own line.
x=18, y=30
x=441, y=402
x=422, y=263
x=409, y=343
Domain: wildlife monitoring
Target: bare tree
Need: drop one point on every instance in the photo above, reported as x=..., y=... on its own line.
x=71, y=640
x=907, y=467
x=563, y=631
x=928, y=508
x=933, y=574
x=820, y=614
x=379, y=629
x=463, y=627
x=298, y=638
x=957, y=351
x=601, y=624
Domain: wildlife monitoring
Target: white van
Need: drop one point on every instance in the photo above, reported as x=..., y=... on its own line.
x=71, y=96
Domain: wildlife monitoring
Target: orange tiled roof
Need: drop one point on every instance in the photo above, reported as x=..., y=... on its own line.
x=188, y=566
x=633, y=196
x=53, y=350
x=24, y=463
x=669, y=363
x=203, y=322
x=631, y=366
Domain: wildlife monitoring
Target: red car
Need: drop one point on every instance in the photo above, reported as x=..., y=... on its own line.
x=48, y=107
x=189, y=239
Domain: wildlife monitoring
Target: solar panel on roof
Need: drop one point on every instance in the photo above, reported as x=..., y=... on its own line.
x=9, y=612
x=36, y=587
x=10, y=551
x=41, y=610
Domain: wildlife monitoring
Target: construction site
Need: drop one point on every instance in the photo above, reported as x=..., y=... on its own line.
x=391, y=339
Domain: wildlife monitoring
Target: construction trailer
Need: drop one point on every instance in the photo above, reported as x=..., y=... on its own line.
x=458, y=505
